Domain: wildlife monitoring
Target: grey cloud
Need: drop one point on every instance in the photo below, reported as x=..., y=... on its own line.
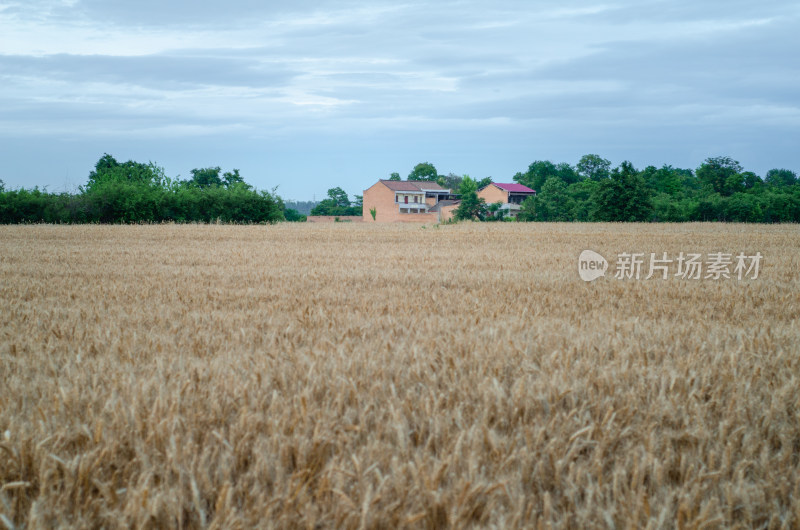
x=456, y=77
x=162, y=71
x=689, y=10
x=157, y=13
x=753, y=65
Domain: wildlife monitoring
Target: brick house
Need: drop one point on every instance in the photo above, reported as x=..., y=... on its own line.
x=510, y=195
x=404, y=201
x=444, y=209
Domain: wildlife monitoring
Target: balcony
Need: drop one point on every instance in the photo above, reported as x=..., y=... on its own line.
x=412, y=207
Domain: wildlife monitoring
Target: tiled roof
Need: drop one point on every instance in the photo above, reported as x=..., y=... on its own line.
x=438, y=206
x=412, y=185
x=429, y=185
x=513, y=187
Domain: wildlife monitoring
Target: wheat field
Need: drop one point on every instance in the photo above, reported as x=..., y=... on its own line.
x=376, y=376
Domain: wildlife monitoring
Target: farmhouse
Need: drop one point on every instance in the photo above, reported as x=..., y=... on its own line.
x=510, y=195
x=395, y=201
x=422, y=201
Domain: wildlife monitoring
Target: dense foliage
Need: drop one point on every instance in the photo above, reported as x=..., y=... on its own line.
x=471, y=206
x=133, y=192
x=591, y=190
x=719, y=190
x=337, y=203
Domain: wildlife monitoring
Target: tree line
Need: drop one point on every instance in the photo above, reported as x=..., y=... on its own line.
x=592, y=190
x=719, y=190
x=134, y=192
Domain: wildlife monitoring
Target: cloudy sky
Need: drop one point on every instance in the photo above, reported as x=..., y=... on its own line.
x=307, y=95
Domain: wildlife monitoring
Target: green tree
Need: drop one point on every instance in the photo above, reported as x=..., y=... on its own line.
x=450, y=181
x=593, y=167
x=781, y=205
x=666, y=179
x=622, y=197
x=108, y=170
x=780, y=177
x=337, y=203
x=293, y=216
x=423, y=171
x=581, y=195
x=394, y=176
x=743, y=208
x=206, y=177
x=339, y=196
x=541, y=170
x=132, y=192
x=527, y=211
x=721, y=173
x=233, y=178
x=494, y=212
x=327, y=207
x=482, y=183
x=567, y=173
x=538, y=172
x=471, y=206
x=554, y=202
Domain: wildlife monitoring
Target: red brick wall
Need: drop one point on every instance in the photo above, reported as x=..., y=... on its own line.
x=381, y=198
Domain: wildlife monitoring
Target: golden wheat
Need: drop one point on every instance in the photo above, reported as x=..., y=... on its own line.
x=394, y=376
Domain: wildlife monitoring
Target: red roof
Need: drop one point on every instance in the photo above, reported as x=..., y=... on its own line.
x=513, y=187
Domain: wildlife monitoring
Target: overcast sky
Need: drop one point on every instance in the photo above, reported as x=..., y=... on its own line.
x=307, y=95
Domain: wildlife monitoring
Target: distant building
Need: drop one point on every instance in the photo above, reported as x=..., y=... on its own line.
x=510, y=195
x=397, y=201
x=422, y=201
x=445, y=209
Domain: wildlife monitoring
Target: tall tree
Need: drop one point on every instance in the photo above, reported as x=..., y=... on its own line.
x=538, y=172
x=623, y=197
x=423, y=171
x=337, y=203
x=720, y=173
x=339, y=196
x=394, y=176
x=471, y=206
x=233, y=178
x=206, y=177
x=450, y=181
x=593, y=167
x=780, y=177
x=108, y=170
x=541, y=170
x=554, y=203
x=667, y=179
